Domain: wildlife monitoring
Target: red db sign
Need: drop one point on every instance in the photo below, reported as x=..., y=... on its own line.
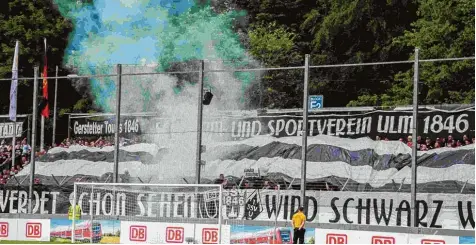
x=33, y=230
x=431, y=241
x=3, y=229
x=383, y=240
x=137, y=233
x=336, y=239
x=174, y=235
x=210, y=236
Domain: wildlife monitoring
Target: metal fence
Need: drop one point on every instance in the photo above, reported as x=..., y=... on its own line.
x=193, y=131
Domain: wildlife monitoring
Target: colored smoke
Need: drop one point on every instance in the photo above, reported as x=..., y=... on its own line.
x=159, y=35
x=160, y=32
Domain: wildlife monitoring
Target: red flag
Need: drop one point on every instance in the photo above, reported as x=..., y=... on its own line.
x=46, y=111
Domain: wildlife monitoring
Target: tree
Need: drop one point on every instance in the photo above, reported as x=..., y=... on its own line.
x=29, y=22
x=353, y=32
x=274, y=45
x=443, y=29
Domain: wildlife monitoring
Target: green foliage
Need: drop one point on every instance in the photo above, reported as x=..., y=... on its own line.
x=30, y=22
x=442, y=30
x=270, y=43
x=312, y=241
x=273, y=45
x=279, y=33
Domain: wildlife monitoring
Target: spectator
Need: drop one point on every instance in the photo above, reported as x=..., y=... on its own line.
x=450, y=141
x=409, y=141
x=266, y=184
x=377, y=138
x=419, y=140
x=437, y=144
x=429, y=144
x=221, y=180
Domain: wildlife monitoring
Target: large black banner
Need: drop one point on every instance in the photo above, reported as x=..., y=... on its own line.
x=7, y=127
x=390, y=124
x=448, y=211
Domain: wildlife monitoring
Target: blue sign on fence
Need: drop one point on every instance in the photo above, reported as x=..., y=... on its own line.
x=466, y=240
x=316, y=102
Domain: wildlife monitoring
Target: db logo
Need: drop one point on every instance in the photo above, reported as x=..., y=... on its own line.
x=3, y=229
x=431, y=241
x=336, y=239
x=383, y=240
x=174, y=235
x=137, y=233
x=33, y=230
x=210, y=236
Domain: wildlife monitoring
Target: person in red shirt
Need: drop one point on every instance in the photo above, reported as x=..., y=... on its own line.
x=450, y=141
x=409, y=141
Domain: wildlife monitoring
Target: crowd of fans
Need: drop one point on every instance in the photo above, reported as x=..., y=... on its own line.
x=99, y=143
x=13, y=158
x=429, y=144
x=22, y=152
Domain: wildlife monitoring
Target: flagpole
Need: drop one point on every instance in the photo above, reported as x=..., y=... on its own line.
x=54, y=107
x=42, y=136
x=14, y=100
x=45, y=88
x=33, y=141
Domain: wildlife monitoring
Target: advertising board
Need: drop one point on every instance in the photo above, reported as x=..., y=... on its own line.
x=329, y=236
x=153, y=232
x=432, y=239
x=8, y=229
x=100, y=231
x=33, y=230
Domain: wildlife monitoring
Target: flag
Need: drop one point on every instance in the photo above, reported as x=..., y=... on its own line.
x=46, y=111
x=13, y=89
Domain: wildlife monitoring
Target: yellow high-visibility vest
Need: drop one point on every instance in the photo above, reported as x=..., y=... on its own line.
x=77, y=213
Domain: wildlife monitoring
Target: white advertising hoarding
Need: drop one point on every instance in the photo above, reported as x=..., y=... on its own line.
x=432, y=239
x=330, y=236
x=25, y=229
x=33, y=230
x=8, y=229
x=154, y=232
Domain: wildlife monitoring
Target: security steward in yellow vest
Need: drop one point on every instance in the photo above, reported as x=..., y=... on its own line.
x=77, y=212
x=299, y=219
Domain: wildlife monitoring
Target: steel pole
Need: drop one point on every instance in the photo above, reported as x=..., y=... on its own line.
x=54, y=107
x=42, y=133
x=33, y=140
x=414, y=140
x=28, y=135
x=304, y=131
x=14, y=140
x=118, y=121
x=69, y=126
x=199, y=124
